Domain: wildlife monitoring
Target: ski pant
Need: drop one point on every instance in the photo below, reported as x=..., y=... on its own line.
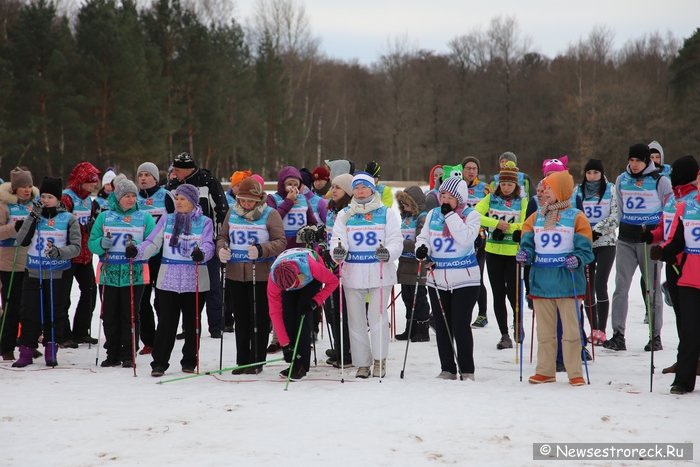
x=501, y=269
x=11, y=302
x=597, y=300
x=422, y=311
x=481, y=259
x=546, y=312
x=84, y=275
x=672, y=284
x=33, y=322
x=628, y=257
x=332, y=308
x=295, y=304
x=172, y=305
x=250, y=313
x=116, y=318
x=689, y=343
x=215, y=302
x=147, y=323
x=455, y=313
x=366, y=347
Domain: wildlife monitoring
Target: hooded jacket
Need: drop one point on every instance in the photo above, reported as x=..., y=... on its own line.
x=412, y=208
x=559, y=282
x=82, y=173
x=663, y=168
x=286, y=205
x=8, y=262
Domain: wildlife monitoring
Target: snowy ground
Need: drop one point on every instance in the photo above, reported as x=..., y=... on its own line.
x=78, y=414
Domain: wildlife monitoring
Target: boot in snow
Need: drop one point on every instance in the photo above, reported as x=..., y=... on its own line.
x=51, y=354
x=505, y=342
x=420, y=332
x=25, y=357
x=404, y=335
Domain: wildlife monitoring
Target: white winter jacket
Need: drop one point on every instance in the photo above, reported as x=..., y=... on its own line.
x=463, y=232
x=367, y=275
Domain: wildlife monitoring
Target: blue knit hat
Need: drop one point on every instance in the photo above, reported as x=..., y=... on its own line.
x=363, y=178
x=190, y=192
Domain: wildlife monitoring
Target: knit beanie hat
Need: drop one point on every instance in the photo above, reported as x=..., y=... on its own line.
x=149, y=167
x=594, y=164
x=285, y=274
x=20, y=178
x=108, y=177
x=338, y=166
x=52, y=186
x=471, y=159
x=321, y=173
x=306, y=178
x=363, y=178
x=238, y=176
x=509, y=173
x=457, y=187
x=373, y=168
x=123, y=187
x=250, y=189
x=190, y=192
x=684, y=171
x=509, y=156
x=259, y=179
x=560, y=164
x=344, y=181
x=184, y=161
x=640, y=151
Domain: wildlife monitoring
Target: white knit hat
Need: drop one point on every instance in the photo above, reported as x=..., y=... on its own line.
x=108, y=177
x=363, y=178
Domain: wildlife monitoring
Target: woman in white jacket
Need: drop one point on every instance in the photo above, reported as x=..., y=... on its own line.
x=447, y=239
x=367, y=241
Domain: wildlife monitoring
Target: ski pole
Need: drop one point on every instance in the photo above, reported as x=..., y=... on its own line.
x=520, y=298
x=381, y=305
x=294, y=353
x=342, y=324
x=223, y=313
x=131, y=306
x=196, y=313
x=255, y=313
x=517, y=311
x=580, y=327
x=51, y=310
x=9, y=291
x=103, y=268
x=413, y=311
x=532, y=331
x=589, y=298
x=217, y=372
x=39, y=247
x=650, y=313
x=447, y=326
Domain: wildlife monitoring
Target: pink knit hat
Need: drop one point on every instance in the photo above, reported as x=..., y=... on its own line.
x=285, y=274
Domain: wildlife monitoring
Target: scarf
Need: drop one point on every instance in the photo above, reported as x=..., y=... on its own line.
x=551, y=212
x=592, y=188
x=252, y=215
x=183, y=224
x=363, y=206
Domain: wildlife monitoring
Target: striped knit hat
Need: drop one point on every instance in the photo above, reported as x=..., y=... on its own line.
x=457, y=187
x=509, y=173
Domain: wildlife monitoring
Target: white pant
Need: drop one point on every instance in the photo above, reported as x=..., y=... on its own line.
x=364, y=347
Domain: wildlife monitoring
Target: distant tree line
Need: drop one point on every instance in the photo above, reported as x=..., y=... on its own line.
x=120, y=82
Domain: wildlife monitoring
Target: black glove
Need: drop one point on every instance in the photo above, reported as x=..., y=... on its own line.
x=478, y=242
x=53, y=253
x=422, y=252
x=131, y=251
x=596, y=235
x=445, y=209
x=18, y=224
x=646, y=236
x=288, y=352
x=656, y=253
x=197, y=255
x=36, y=210
x=497, y=235
x=517, y=235
x=320, y=233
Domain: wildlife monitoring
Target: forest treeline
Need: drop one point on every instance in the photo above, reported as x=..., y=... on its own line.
x=120, y=82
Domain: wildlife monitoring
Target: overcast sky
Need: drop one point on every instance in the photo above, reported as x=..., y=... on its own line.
x=361, y=29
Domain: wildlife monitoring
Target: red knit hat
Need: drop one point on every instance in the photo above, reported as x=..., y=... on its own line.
x=285, y=274
x=321, y=173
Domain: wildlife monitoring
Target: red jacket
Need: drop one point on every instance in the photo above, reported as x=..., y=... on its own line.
x=688, y=264
x=84, y=172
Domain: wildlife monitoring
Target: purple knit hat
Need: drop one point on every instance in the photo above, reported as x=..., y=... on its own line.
x=285, y=274
x=190, y=192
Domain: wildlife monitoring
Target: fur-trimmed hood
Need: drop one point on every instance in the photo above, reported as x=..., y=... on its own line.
x=411, y=201
x=8, y=197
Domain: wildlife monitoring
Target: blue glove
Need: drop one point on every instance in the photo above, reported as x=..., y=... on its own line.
x=106, y=243
x=571, y=262
x=521, y=256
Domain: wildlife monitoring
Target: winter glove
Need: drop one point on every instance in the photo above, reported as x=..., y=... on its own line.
x=521, y=256
x=254, y=252
x=571, y=262
x=596, y=236
x=517, y=235
x=382, y=253
x=339, y=253
x=53, y=252
x=656, y=253
x=131, y=251
x=224, y=255
x=107, y=242
x=288, y=352
x=422, y=252
x=646, y=236
x=498, y=235
x=478, y=242
x=445, y=209
x=18, y=224
x=197, y=255
x=36, y=211
x=307, y=234
x=320, y=233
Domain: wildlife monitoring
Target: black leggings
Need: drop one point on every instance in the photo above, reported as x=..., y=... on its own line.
x=502, y=274
x=597, y=300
